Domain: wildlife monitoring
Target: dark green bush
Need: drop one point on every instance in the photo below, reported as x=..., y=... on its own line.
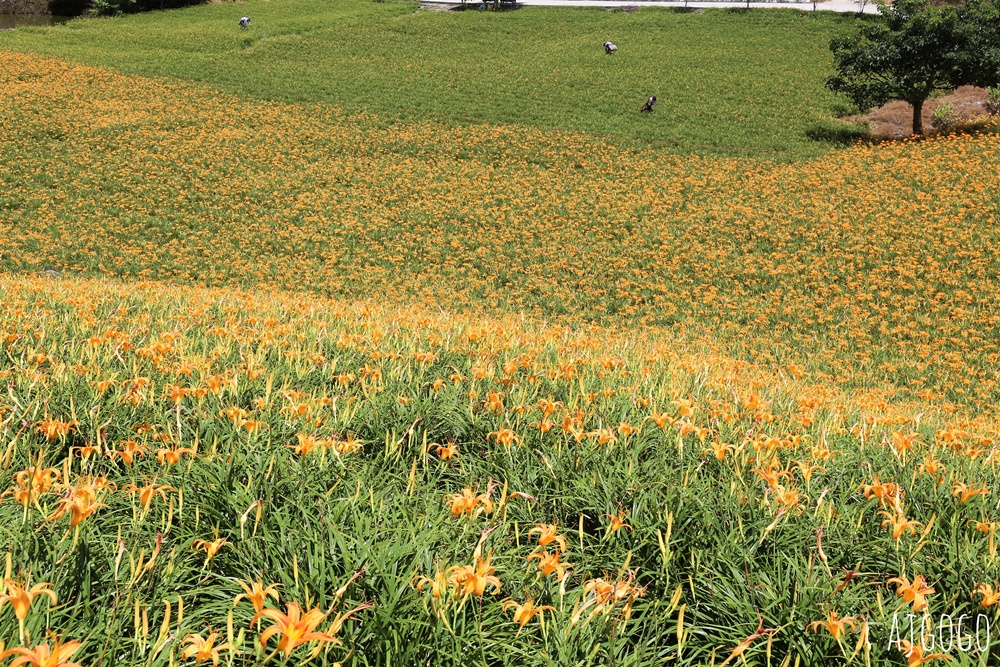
x=114, y=7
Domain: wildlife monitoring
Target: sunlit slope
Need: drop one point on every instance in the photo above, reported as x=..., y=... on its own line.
x=874, y=263
x=750, y=83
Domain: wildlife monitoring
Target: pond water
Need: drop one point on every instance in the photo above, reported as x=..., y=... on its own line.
x=11, y=21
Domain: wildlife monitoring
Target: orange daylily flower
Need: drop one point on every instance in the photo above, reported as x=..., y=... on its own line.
x=902, y=443
x=836, y=626
x=617, y=522
x=605, y=596
x=548, y=563
x=915, y=654
x=257, y=594
x=544, y=426
x=525, y=612
x=439, y=584
x=964, y=493
x=626, y=430
x=204, y=649
x=985, y=527
x=899, y=523
x=39, y=480
x=21, y=597
x=102, y=385
x=790, y=497
x=444, y=452
x=349, y=444
x=54, y=429
x=991, y=596
x=85, y=451
x=128, y=451
x=253, y=425
x=505, y=437
x=548, y=534
x=473, y=579
x=148, y=492
x=234, y=414
x=915, y=592
x=43, y=656
x=469, y=503
x=548, y=406
x=307, y=443
x=177, y=393
x=215, y=384
x=931, y=466
x=211, y=548
x=772, y=475
x=807, y=470
x=80, y=504
x=294, y=628
x=886, y=493
x=173, y=456
x=494, y=401
x=719, y=449
x=31, y=483
x=661, y=419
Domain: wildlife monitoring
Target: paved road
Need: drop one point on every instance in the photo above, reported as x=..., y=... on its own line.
x=843, y=6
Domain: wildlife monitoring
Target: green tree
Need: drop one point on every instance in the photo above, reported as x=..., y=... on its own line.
x=915, y=49
x=114, y=7
x=981, y=32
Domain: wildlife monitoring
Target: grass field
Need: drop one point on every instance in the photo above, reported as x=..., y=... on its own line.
x=499, y=393
x=723, y=79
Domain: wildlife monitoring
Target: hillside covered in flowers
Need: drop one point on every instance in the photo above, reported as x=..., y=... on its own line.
x=285, y=383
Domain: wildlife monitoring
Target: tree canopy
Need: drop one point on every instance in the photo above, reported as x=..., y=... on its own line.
x=111, y=7
x=915, y=49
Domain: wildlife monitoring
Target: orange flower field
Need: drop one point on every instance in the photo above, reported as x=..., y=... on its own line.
x=283, y=384
x=874, y=262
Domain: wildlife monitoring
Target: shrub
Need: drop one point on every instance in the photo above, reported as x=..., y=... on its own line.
x=68, y=7
x=838, y=132
x=993, y=101
x=945, y=117
x=841, y=108
x=112, y=7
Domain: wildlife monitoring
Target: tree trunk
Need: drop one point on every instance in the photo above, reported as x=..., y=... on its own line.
x=918, y=122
